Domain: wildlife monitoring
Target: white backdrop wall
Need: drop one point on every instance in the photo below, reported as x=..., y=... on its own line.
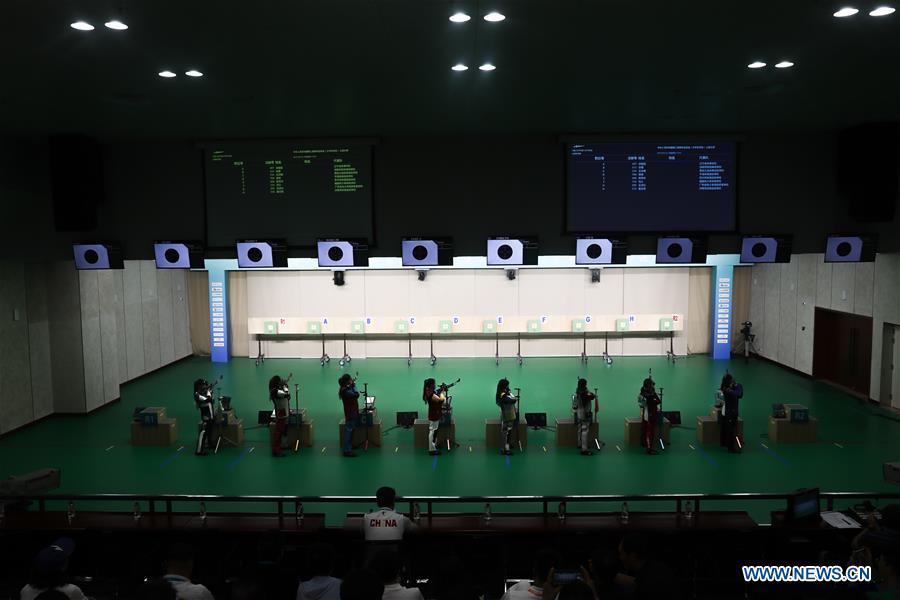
x=448, y=292
x=783, y=298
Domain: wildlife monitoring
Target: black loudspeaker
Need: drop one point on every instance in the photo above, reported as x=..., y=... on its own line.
x=867, y=171
x=76, y=180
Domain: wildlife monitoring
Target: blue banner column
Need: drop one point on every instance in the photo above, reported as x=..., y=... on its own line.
x=218, y=310
x=723, y=286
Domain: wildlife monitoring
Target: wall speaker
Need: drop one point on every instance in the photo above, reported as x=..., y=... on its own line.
x=867, y=170
x=680, y=250
x=419, y=252
x=600, y=251
x=98, y=256
x=512, y=252
x=76, y=181
x=261, y=254
x=343, y=253
x=178, y=255
x=766, y=249
x=850, y=248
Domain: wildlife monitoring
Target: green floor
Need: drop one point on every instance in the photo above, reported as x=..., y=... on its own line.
x=95, y=455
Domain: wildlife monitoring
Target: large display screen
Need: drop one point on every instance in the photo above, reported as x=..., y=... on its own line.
x=651, y=187
x=294, y=190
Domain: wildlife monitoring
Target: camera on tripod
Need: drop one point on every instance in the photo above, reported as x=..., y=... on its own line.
x=747, y=331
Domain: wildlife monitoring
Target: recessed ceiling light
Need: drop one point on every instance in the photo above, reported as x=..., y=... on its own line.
x=494, y=17
x=487, y=67
x=785, y=64
x=166, y=74
x=846, y=12
x=756, y=65
x=459, y=17
x=460, y=67
x=117, y=25
x=882, y=11
x=82, y=26
x=193, y=73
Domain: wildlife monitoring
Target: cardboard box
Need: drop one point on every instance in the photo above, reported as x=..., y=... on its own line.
x=361, y=434
x=492, y=434
x=164, y=433
x=231, y=434
x=709, y=432
x=567, y=433
x=305, y=433
x=782, y=431
x=633, y=431
x=445, y=432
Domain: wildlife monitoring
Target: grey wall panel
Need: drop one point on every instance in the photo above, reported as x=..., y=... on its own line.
x=15, y=375
x=787, y=323
x=769, y=346
x=864, y=288
x=843, y=284
x=36, y=275
x=134, y=318
x=886, y=299
x=823, y=283
x=109, y=335
x=182, y=330
x=121, y=346
x=758, y=302
x=166, y=316
x=150, y=315
x=89, y=287
x=66, y=352
x=806, y=301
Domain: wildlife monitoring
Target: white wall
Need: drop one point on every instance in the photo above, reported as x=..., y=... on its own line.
x=468, y=292
x=783, y=298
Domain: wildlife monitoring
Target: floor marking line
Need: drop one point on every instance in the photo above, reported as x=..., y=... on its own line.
x=707, y=456
x=434, y=464
x=110, y=448
x=545, y=448
x=323, y=449
x=618, y=448
x=691, y=446
x=838, y=445
x=775, y=455
x=234, y=463
x=397, y=449
x=508, y=464
x=172, y=457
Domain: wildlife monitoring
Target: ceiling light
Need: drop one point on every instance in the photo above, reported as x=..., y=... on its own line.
x=117, y=25
x=167, y=74
x=756, y=65
x=460, y=67
x=487, y=67
x=494, y=17
x=785, y=64
x=846, y=12
x=882, y=11
x=459, y=17
x=82, y=26
x=193, y=73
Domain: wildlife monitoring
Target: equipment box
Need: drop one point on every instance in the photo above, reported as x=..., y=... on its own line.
x=633, y=431
x=568, y=434
x=492, y=434
x=361, y=434
x=444, y=433
x=708, y=431
x=164, y=433
x=783, y=431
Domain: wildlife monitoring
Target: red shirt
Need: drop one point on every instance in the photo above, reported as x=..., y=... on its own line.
x=434, y=410
x=349, y=397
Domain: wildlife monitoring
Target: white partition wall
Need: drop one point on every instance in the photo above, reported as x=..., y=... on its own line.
x=386, y=297
x=784, y=297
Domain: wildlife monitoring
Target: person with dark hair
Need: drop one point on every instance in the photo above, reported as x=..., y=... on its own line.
x=179, y=566
x=584, y=416
x=731, y=392
x=156, y=589
x=545, y=561
x=52, y=595
x=386, y=564
x=652, y=579
x=509, y=416
x=203, y=398
x=322, y=586
x=651, y=415
x=49, y=572
x=280, y=395
x=582, y=589
x=361, y=584
x=386, y=524
x=435, y=399
x=349, y=397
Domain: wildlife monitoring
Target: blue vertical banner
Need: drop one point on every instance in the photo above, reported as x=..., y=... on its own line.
x=723, y=288
x=218, y=310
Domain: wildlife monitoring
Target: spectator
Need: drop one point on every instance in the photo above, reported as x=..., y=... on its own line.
x=575, y=590
x=322, y=586
x=386, y=564
x=361, y=584
x=652, y=579
x=545, y=561
x=179, y=566
x=49, y=572
x=156, y=589
x=451, y=581
x=385, y=524
x=51, y=595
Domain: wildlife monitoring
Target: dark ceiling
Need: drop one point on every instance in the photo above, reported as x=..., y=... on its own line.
x=279, y=68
